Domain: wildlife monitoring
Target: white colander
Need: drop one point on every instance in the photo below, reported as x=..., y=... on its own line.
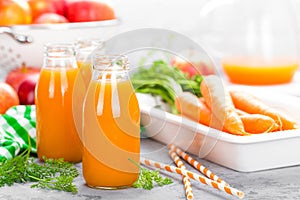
x=24, y=43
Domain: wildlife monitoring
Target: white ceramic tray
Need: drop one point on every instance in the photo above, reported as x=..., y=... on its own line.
x=241, y=153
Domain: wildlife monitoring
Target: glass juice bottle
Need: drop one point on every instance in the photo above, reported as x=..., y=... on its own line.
x=111, y=133
x=84, y=49
x=56, y=133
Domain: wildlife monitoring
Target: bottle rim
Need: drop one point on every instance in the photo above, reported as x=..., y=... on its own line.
x=110, y=62
x=59, y=49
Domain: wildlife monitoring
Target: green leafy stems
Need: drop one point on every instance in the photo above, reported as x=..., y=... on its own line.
x=166, y=81
x=54, y=174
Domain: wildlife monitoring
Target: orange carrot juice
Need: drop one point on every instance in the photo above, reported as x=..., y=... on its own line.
x=111, y=142
x=81, y=85
x=251, y=71
x=56, y=133
x=84, y=49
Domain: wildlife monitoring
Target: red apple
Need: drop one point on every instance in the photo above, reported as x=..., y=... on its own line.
x=16, y=76
x=8, y=97
x=50, y=18
x=60, y=6
x=89, y=10
x=26, y=90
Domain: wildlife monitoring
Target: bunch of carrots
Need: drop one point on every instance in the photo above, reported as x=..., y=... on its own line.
x=235, y=112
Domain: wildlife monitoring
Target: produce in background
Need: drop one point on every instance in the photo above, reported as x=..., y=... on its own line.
x=26, y=91
x=197, y=66
x=14, y=12
x=20, y=12
x=50, y=18
x=39, y=7
x=8, y=97
x=219, y=101
x=23, y=81
x=89, y=10
x=239, y=113
x=251, y=104
x=166, y=81
x=191, y=106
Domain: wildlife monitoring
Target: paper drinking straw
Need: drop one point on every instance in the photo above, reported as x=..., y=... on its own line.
x=196, y=164
x=229, y=190
x=185, y=179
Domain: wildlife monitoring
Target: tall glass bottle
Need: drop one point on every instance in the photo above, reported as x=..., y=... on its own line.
x=111, y=133
x=56, y=133
x=84, y=49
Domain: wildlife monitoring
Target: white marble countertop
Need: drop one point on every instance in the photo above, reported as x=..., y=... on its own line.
x=280, y=183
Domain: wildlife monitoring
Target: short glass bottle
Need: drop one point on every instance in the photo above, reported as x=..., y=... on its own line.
x=111, y=132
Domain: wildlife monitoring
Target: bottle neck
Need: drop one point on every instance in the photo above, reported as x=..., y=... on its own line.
x=107, y=67
x=85, y=47
x=60, y=55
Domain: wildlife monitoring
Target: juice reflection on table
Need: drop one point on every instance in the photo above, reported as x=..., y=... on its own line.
x=56, y=133
x=111, y=131
x=255, y=71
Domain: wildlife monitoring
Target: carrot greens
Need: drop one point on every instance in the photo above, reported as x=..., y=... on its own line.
x=166, y=81
x=54, y=174
x=148, y=177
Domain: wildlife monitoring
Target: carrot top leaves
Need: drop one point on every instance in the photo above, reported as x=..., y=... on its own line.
x=52, y=174
x=148, y=177
x=165, y=81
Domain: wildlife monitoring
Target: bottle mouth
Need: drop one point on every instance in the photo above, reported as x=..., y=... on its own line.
x=110, y=62
x=59, y=49
x=87, y=43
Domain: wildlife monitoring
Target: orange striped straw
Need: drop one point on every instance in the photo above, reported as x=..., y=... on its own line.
x=196, y=164
x=229, y=190
x=185, y=179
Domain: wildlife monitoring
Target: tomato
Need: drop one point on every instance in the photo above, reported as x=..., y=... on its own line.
x=14, y=12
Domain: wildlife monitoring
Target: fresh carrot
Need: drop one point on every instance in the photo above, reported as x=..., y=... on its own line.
x=189, y=105
x=220, y=103
x=258, y=123
x=252, y=105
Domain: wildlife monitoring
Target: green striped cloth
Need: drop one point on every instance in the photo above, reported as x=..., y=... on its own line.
x=17, y=125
